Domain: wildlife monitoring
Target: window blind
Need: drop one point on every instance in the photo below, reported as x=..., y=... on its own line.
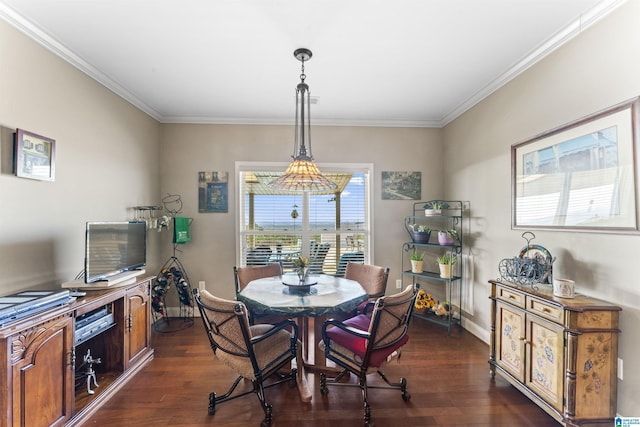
x=324, y=227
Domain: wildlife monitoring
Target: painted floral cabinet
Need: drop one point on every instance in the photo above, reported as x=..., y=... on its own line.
x=561, y=353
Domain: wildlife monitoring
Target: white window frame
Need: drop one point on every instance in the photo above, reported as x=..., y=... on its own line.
x=249, y=166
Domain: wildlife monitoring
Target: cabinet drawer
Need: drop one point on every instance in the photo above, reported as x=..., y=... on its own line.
x=510, y=296
x=545, y=309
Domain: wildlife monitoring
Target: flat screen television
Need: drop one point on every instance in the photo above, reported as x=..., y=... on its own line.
x=112, y=248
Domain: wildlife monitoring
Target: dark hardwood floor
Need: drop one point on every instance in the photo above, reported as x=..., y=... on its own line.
x=448, y=380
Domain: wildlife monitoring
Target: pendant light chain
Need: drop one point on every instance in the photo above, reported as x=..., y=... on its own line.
x=296, y=138
x=302, y=175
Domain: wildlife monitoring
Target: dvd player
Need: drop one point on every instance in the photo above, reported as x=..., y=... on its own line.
x=27, y=303
x=93, y=323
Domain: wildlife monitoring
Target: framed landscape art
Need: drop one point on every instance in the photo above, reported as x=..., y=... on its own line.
x=401, y=185
x=581, y=176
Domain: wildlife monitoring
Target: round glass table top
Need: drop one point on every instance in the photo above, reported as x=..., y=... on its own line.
x=328, y=295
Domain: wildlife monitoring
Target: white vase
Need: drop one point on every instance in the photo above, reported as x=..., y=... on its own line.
x=416, y=266
x=445, y=270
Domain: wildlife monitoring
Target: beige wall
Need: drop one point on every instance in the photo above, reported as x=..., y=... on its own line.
x=111, y=157
x=106, y=161
x=598, y=69
x=189, y=149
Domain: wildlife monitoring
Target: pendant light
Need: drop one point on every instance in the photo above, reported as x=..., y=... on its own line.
x=302, y=175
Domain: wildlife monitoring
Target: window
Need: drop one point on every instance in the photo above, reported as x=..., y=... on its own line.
x=327, y=228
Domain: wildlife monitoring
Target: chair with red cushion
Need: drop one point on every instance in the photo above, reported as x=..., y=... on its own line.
x=361, y=344
x=372, y=278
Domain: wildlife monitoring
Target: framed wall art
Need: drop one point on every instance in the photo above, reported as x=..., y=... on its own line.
x=401, y=185
x=34, y=156
x=581, y=176
x=213, y=192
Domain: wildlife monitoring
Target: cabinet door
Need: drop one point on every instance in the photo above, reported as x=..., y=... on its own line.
x=510, y=339
x=42, y=374
x=545, y=360
x=137, y=330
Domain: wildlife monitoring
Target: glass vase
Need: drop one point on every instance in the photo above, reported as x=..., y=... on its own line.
x=303, y=273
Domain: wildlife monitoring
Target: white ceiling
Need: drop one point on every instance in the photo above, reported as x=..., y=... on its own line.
x=375, y=62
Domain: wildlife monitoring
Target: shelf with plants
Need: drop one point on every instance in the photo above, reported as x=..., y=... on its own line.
x=432, y=317
x=436, y=238
x=431, y=275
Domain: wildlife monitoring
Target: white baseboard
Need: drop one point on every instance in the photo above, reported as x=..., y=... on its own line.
x=476, y=330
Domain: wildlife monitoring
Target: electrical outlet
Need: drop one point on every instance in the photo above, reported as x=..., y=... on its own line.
x=399, y=284
x=201, y=285
x=619, y=368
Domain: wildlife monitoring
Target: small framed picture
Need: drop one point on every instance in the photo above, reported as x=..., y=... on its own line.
x=34, y=156
x=213, y=192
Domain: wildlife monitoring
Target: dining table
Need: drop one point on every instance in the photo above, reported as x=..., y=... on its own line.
x=315, y=300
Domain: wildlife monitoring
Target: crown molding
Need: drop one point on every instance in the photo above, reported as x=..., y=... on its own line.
x=55, y=47
x=574, y=29
x=289, y=122
x=586, y=20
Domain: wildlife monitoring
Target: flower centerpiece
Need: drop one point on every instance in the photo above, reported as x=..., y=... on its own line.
x=424, y=302
x=301, y=265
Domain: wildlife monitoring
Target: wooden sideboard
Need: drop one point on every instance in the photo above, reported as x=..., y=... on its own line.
x=38, y=384
x=561, y=353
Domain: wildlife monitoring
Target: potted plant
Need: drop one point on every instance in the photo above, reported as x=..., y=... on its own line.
x=435, y=207
x=420, y=233
x=445, y=262
x=417, y=258
x=448, y=237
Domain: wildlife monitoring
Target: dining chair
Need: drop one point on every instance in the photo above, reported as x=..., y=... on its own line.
x=361, y=344
x=244, y=275
x=253, y=352
x=372, y=278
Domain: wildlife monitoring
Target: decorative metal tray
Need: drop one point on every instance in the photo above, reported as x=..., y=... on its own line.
x=533, y=265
